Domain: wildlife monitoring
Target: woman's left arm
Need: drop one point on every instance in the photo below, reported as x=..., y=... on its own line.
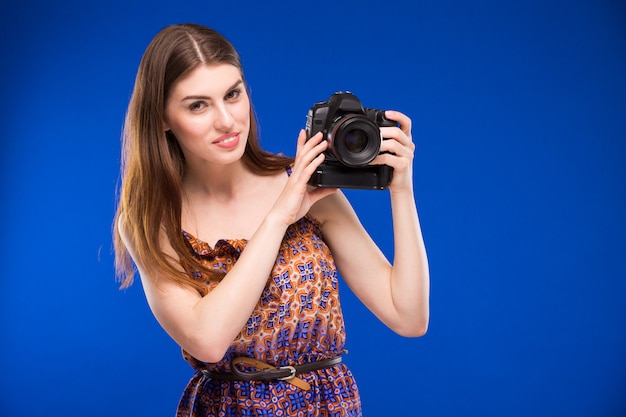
x=398, y=293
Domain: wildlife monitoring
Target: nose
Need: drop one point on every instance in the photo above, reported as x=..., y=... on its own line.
x=224, y=120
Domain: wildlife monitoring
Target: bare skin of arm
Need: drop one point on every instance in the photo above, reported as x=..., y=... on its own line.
x=398, y=293
x=206, y=326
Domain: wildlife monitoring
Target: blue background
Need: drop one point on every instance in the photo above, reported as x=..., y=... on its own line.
x=519, y=112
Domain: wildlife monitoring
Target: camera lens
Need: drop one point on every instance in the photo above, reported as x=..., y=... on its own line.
x=354, y=140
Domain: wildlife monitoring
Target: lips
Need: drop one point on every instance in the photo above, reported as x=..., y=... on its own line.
x=227, y=141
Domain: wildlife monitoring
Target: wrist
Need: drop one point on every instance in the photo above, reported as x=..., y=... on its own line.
x=401, y=188
x=276, y=220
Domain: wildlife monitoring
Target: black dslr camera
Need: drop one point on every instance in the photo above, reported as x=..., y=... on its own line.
x=354, y=140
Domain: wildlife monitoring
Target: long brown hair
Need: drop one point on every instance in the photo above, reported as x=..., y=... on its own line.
x=150, y=200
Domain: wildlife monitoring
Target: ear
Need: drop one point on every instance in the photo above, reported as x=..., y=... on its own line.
x=166, y=127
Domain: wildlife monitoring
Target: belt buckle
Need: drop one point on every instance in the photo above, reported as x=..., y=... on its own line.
x=291, y=376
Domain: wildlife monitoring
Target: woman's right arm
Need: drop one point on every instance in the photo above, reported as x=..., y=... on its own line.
x=206, y=326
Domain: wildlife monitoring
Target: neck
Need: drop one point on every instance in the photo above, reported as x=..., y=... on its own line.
x=216, y=181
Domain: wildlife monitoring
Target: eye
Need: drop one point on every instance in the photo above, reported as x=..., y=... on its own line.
x=197, y=105
x=233, y=94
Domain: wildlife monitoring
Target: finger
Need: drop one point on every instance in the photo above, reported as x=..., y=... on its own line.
x=392, y=150
x=312, y=148
x=396, y=162
x=397, y=134
x=302, y=139
x=403, y=120
x=310, y=168
x=306, y=149
x=307, y=163
x=401, y=146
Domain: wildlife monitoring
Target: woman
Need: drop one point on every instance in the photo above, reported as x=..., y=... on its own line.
x=238, y=256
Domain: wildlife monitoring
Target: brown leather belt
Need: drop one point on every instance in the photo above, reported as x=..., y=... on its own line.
x=267, y=372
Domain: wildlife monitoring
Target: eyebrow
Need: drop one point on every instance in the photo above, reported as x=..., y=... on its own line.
x=194, y=97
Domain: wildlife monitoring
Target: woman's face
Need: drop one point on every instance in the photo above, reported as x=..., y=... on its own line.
x=209, y=113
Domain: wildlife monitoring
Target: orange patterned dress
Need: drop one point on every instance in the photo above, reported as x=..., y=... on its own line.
x=297, y=320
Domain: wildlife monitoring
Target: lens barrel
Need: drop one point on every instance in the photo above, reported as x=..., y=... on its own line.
x=354, y=140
